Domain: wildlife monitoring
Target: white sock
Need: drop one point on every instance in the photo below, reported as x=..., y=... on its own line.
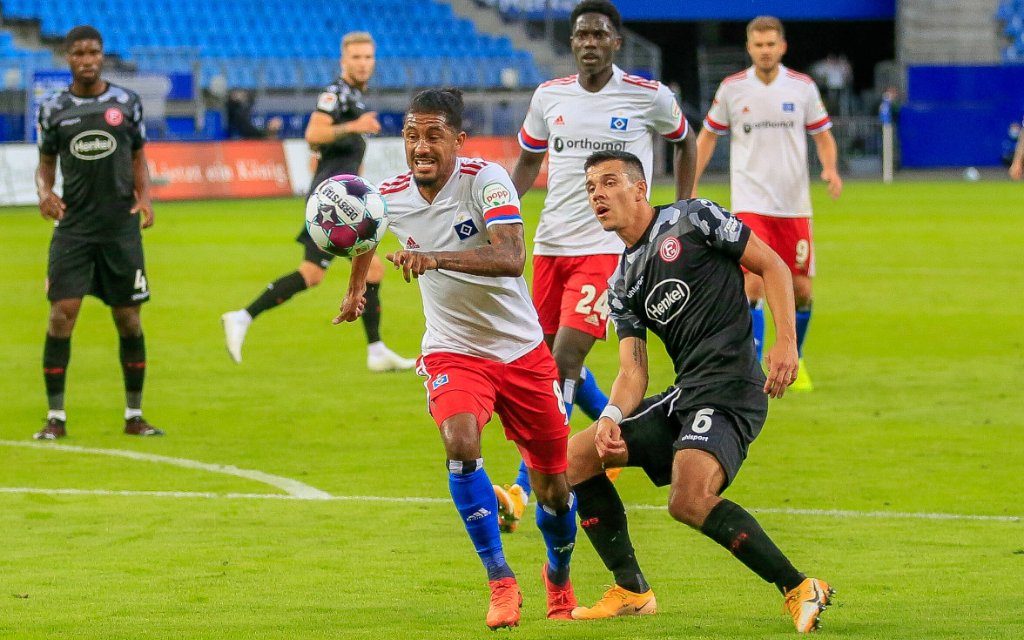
x=58, y=414
x=569, y=391
x=243, y=315
x=132, y=413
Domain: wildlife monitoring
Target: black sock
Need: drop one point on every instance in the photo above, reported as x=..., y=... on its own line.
x=603, y=518
x=277, y=292
x=56, y=355
x=133, y=366
x=731, y=526
x=371, y=313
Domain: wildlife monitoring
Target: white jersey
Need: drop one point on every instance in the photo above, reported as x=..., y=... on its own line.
x=486, y=317
x=768, y=151
x=571, y=123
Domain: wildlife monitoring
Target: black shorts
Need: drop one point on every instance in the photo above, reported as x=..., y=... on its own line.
x=722, y=418
x=313, y=253
x=112, y=269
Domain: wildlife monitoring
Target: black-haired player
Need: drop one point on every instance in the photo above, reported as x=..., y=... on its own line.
x=680, y=277
x=96, y=129
x=336, y=131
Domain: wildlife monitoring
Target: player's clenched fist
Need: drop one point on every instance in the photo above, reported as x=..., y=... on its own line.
x=413, y=263
x=52, y=207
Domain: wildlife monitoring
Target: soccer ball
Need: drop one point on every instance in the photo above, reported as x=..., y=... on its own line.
x=346, y=216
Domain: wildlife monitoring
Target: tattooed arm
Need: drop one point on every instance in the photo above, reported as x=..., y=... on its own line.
x=505, y=255
x=627, y=393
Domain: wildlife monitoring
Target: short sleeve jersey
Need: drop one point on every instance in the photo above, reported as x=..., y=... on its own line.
x=570, y=123
x=769, y=124
x=683, y=282
x=94, y=139
x=343, y=103
x=487, y=317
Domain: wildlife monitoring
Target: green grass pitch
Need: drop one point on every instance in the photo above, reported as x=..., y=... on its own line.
x=916, y=349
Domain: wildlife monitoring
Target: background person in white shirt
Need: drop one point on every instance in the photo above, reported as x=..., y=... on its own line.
x=769, y=109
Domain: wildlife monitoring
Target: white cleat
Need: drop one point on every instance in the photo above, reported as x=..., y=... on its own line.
x=236, y=323
x=381, y=359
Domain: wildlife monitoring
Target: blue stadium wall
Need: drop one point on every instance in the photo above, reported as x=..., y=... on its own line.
x=957, y=116
x=688, y=10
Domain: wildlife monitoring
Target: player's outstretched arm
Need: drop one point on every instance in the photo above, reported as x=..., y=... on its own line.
x=684, y=165
x=828, y=155
x=782, y=359
x=504, y=256
x=143, y=200
x=526, y=171
x=50, y=205
x=322, y=130
x=354, y=302
x=627, y=393
x=706, y=143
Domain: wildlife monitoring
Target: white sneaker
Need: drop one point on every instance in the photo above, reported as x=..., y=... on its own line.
x=383, y=359
x=236, y=323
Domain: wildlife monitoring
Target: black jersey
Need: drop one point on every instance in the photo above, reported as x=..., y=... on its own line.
x=95, y=139
x=683, y=281
x=343, y=103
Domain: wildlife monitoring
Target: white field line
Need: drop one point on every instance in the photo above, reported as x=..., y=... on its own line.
x=823, y=513
x=291, y=487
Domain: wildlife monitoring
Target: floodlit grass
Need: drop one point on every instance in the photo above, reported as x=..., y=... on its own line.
x=915, y=350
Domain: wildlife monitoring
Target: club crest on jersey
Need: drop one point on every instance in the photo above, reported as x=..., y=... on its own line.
x=619, y=124
x=327, y=101
x=670, y=249
x=113, y=116
x=788, y=107
x=667, y=300
x=440, y=381
x=465, y=228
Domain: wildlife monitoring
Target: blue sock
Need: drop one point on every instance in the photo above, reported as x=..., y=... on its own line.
x=474, y=498
x=589, y=397
x=559, y=531
x=757, y=320
x=803, y=320
x=523, y=477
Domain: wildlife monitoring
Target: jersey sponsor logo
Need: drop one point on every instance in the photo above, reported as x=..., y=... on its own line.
x=559, y=121
x=496, y=194
x=93, y=145
x=465, y=229
x=768, y=124
x=666, y=300
x=788, y=107
x=586, y=144
x=113, y=116
x=327, y=101
x=618, y=123
x=670, y=249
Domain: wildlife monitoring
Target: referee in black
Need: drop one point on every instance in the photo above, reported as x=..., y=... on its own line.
x=96, y=129
x=680, y=278
x=336, y=131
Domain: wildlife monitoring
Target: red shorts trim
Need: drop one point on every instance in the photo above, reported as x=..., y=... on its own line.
x=524, y=393
x=572, y=291
x=791, y=238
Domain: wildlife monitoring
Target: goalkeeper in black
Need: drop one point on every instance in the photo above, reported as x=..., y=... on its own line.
x=680, y=277
x=95, y=128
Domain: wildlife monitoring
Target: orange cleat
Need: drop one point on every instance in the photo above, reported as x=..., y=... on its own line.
x=806, y=602
x=561, y=599
x=506, y=600
x=618, y=602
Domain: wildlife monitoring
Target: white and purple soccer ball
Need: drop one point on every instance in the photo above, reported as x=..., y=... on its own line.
x=346, y=216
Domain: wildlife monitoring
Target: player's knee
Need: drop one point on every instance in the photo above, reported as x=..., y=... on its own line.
x=569, y=358
x=690, y=508
x=128, y=322
x=803, y=291
x=376, y=271
x=311, y=274
x=461, y=437
x=62, y=319
x=553, y=493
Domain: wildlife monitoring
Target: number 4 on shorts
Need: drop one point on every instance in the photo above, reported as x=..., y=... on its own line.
x=140, y=281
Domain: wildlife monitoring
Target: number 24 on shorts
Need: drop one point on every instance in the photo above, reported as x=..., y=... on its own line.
x=587, y=305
